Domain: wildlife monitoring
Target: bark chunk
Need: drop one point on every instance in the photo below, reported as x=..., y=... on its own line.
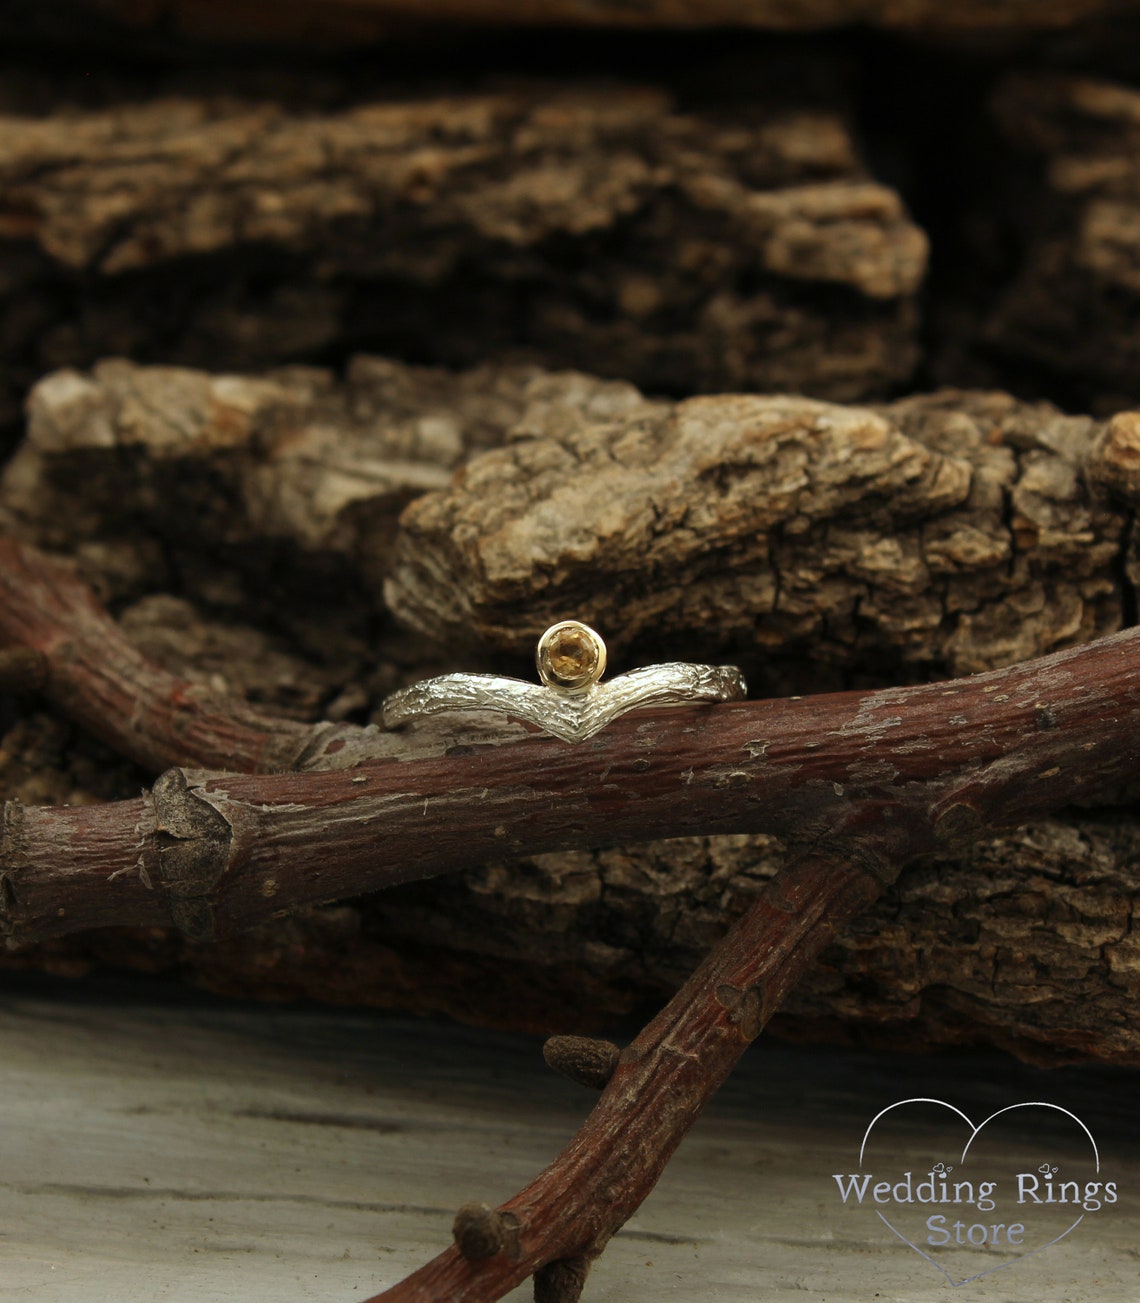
x=1071, y=309
x=564, y=223
x=953, y=532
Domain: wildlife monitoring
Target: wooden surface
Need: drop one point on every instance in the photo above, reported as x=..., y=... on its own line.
x=193, y=1152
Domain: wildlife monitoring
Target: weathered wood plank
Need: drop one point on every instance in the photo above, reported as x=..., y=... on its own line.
x=205, y=1153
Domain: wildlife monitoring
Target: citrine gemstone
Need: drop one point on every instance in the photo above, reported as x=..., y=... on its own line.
x=571, y=655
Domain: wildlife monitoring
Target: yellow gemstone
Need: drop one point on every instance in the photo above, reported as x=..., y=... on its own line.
x=571, y=655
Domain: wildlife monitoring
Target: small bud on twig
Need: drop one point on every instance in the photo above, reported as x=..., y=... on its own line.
x=478, y=1231
x=22, y=669
x=584, y=1060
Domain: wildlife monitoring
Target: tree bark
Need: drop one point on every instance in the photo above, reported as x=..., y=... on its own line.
x=1071, y=308
x=946, y=533
x=606, y=227
x=344, y=20
x=1035, y=952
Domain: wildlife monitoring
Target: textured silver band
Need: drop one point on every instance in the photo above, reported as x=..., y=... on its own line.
x=572, y=716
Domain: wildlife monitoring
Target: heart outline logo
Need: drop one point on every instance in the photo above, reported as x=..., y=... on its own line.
x=974, y=1132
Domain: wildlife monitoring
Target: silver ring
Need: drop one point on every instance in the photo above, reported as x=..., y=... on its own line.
x=572, y=703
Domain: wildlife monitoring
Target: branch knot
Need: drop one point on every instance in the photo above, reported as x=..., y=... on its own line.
x=479, y=1231
x=587, y=1061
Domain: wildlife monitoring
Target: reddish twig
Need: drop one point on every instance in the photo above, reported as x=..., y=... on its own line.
x=662, y=1081
x=95, y=676
x=56, y=638
x=1043, y=741
x=217, y=854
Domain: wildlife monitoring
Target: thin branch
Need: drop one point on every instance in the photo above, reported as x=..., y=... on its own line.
x=94, y=675
x=990, y=751
x=217, y=854
x=57, y=638
x=663, y=1080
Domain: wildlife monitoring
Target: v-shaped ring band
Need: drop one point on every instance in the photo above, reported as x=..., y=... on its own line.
x=569, y=653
